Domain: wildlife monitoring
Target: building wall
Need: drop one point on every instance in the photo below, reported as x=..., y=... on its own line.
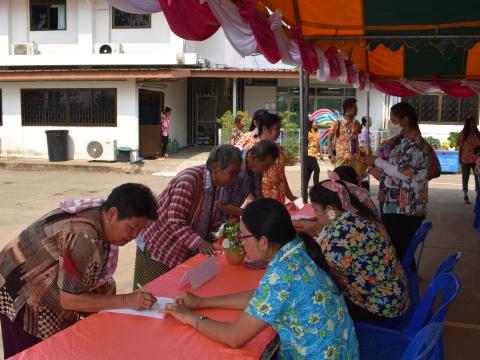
x=257, y=96
x=30, y=141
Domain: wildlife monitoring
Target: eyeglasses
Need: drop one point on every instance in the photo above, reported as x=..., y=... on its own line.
x=241, y=238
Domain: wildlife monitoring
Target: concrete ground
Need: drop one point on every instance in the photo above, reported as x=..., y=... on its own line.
x=27, y=195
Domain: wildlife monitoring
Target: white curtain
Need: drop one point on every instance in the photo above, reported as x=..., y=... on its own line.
x=237, y=32
x=136, y=6
x=288, y=48
x=61, y=21
x=421, y=87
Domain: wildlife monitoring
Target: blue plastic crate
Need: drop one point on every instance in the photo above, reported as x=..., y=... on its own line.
x=448, y=161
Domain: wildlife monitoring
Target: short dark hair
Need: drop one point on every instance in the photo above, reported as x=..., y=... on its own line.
x=132, y=200
x=364, y=120
x=348, y=174
x=224, y=155
x=256, y=116
x=264, y=149
x=404, y=109
x=348, y=104
x=267, y=120
x=167, y=109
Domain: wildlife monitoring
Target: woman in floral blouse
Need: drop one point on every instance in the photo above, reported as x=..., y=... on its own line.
x=295, y=296
x=403, y=196
x=359, y=252
x=468, y=140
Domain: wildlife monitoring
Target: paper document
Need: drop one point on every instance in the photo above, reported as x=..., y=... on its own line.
x=300, y=217
x=153, y=312
x=299, y=203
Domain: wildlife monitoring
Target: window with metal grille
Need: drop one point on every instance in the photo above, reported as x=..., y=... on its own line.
x=125, y=20
x=48, y=15
x=443, y=109
x=69, y=107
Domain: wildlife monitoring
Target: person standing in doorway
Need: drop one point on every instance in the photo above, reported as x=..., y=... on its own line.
x=165, y=129
x=314, y=154
x=468, y=140
x=345, y=132
x=365, y=137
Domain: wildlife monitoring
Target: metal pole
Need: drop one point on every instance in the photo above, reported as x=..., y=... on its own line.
x=304, y=86
x=234, y=97
x=369, y=147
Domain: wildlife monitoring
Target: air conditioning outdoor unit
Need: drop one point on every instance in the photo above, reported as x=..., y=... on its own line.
x=111, y=48
x=102, y=150
x=25, y=49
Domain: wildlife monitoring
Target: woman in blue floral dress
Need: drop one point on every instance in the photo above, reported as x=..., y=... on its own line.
x=295, y=296
x=359, y=252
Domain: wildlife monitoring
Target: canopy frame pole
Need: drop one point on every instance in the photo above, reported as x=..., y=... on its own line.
x=369, y=145
x=391, y=37
x=303, y=141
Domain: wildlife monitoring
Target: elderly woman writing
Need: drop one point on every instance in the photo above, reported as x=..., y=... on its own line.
x=358, y=251
x=309, y=315
x=62, y=265
x=187, y=211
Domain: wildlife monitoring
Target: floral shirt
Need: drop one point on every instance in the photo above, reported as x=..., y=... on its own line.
x=165, y=124
x=273, y=180
x=364, y=263
x=313, y=144
x=408, y=197
x=468, y=147
x=235, y=136
x=247, y=140
x=346, y=144
x=305, y=308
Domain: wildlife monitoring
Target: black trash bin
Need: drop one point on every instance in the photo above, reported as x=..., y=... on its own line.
x=124, y=153
x=57, y=141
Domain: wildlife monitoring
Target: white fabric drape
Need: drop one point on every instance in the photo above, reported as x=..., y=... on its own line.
x=288, y=48
x=136, y=6
x=237, y=32
x=474, y=85
x=421, y=87
x=323, y=72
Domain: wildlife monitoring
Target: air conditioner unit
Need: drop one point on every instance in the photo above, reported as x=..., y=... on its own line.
x=111, y=48
x=102, y=150
x=25, y=49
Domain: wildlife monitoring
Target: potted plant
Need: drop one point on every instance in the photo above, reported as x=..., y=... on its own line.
x=227, y=237
x=290, y=142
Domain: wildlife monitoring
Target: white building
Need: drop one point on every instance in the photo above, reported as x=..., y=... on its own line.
x=105, y=75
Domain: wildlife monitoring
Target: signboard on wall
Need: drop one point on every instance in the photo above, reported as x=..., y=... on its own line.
x=261, y=82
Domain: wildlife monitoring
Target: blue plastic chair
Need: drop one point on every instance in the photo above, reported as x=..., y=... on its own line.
x=449, y=263
x=424, y=344
x=379, y=342
x=413, y=256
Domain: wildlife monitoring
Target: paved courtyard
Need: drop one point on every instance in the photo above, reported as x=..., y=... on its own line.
x=27, y=195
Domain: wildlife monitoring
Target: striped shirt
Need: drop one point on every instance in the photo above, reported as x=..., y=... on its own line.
x=178, y=231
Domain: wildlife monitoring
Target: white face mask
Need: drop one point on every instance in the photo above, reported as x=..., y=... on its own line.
x=395, y=129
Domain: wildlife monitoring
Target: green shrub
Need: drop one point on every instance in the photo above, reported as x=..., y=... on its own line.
x=433, y=141
x=452, y=139
x=290, y=141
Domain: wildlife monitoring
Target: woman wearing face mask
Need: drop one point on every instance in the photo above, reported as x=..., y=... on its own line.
x=296, y=296
x=403, y=174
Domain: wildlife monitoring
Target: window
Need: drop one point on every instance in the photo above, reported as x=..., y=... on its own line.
x=288, y=99
x=69, y=107
x=124, y=20
x=48, y=15
x=443, y=108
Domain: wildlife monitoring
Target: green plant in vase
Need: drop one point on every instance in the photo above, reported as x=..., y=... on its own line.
x=227, y=237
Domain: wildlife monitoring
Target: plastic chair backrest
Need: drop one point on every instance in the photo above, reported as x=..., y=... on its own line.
x=449, y=263
x=445, y=285
x=416, y=246
x=424, y=343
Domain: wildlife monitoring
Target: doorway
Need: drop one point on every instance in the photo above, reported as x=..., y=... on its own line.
x=150, y=106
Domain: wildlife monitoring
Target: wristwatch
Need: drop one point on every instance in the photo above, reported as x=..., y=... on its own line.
x=200, y=318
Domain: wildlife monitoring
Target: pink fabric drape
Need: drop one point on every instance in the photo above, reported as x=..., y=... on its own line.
x=308, y=53
x=189, y=19
x=333, y=58
x=391, y=87
x=261, y=30
x=454, y=88
x=136, y=6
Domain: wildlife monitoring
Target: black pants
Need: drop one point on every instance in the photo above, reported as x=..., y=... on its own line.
x=466, y=170
x=401, y=228
x=164, y=145
x=312, y=167
x=15, y=339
